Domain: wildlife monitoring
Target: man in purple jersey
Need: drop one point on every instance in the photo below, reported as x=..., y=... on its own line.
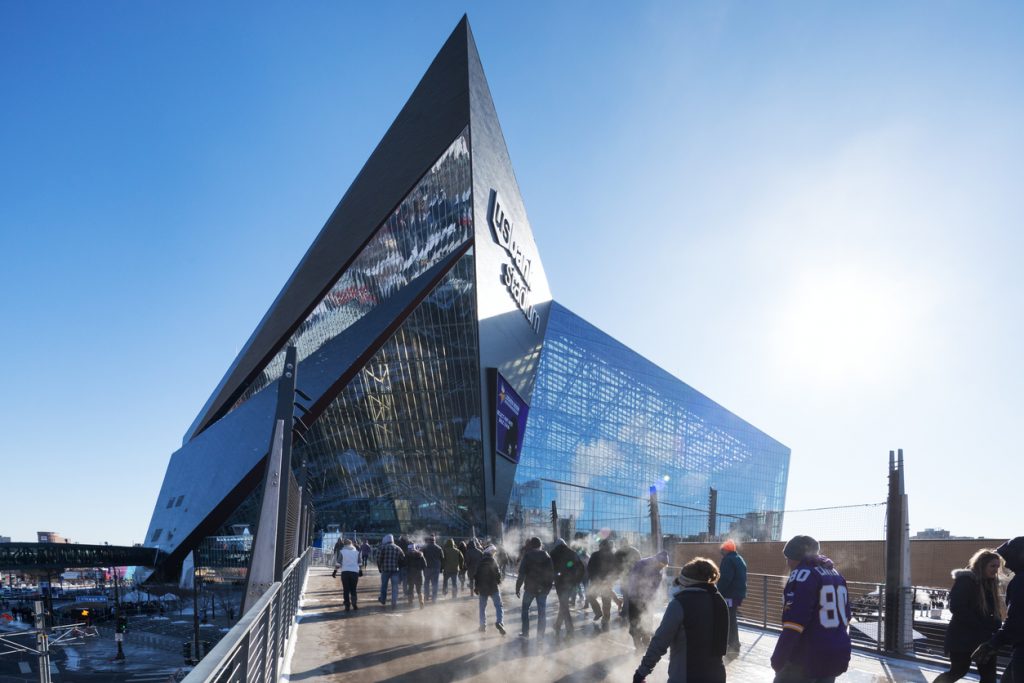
x=815, y=643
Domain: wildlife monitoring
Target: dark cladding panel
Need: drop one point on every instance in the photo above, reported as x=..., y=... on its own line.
x=432, y=117
x=512, y=290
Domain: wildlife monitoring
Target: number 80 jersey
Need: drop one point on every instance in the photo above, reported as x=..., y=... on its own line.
x=815, y=620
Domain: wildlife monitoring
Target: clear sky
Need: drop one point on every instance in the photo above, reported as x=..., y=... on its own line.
x=811, y=212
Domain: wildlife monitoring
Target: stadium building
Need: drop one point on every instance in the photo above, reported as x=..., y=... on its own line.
x=446, y=390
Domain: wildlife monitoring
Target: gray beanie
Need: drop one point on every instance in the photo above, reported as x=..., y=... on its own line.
x=800, y=547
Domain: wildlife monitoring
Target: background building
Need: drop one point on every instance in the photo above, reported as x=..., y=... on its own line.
x=420, y=316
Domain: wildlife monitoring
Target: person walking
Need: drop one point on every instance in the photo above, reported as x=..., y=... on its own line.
x=473, y=557
x=486, y=582
x=415, y=565
x=434, y=556
x=461, y=545
x=348, y=558
x=694, y=630
x=365, y=551
x=640, y=590
x=403, y=572
x=580, y=593
x=1012, y=631
x=338, y=545
x=626, y=558
x=568, y=574
x=732, y=584
x=390, y=559
x=977, y=615
x=601, y=570
x=536, y=575
x=453, y=562
x=814, y=646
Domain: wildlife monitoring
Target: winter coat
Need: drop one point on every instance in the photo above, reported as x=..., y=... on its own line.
x=453, y=560
x=1012, y=631
x=536, y=572
x=695, y=631
x=434, y=555
x=625, y=559
x=601, y=567
x=416, y=564
x=732, y=583
x=567, y=566
x=644, y=580
x=972, y=624
x=487, y=576
x=473, y=557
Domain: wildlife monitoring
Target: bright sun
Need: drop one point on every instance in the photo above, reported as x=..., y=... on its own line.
x=846, y=325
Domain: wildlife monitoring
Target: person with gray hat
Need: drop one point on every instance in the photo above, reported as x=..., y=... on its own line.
x=814, y=646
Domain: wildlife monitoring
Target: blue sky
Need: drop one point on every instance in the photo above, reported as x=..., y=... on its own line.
x=810, y=212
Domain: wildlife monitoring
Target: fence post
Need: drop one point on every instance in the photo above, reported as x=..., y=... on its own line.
x=243, y=665
x=764, y=603
x=881, y=621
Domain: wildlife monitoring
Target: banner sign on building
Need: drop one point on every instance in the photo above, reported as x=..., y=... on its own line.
x=509, y=422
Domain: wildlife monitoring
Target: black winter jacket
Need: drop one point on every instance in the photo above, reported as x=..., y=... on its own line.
x=972, y=624
x=1012, y=632
x=487, y=576
x=602, y=567
x=696, y=630
x=567, y=566
x=434, y=555
x=536, y=572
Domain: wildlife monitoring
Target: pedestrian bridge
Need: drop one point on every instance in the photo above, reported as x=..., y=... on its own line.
x=35, y=556
x=441, y=643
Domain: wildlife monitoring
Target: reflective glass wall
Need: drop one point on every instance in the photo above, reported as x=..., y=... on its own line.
x=399, y=450
x=606, y=424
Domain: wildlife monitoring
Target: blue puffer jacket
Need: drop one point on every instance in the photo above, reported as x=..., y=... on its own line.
x=732, y=583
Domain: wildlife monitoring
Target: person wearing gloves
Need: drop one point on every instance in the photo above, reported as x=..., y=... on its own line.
x=485, y=580
x=1012, y=631
x=453, y=564
x=732, y=584
x=814, y=646
x=348, y=562
x=694, y=630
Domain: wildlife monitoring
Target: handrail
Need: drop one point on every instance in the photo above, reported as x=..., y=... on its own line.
x=254, y=646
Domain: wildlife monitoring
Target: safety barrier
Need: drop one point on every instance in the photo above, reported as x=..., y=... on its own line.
x=254, y=648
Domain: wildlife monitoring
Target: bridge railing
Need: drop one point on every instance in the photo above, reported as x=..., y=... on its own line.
x=253, y=649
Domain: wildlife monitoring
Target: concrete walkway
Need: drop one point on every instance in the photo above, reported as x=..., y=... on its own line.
x=441, y=643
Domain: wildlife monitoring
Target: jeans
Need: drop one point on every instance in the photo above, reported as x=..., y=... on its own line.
x=734, y=631
x=385, y=578
x=542, y=615
x=349, y=581
x=452, y=577
x=499, y=611
x=564, y=615
x=430, y=583
x=793, y=674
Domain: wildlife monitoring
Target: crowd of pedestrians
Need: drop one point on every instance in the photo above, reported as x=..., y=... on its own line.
x=699, y=627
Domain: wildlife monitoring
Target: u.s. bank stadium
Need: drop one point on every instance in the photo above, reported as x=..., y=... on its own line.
x=442, y=387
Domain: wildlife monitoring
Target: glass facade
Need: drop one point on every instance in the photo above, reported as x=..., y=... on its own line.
x=433, y=220
x=399, y=450
x=606, y=424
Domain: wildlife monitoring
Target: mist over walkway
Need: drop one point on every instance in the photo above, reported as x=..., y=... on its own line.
x=441, y=643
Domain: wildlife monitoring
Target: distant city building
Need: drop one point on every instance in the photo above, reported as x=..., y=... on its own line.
x=50, y=537
x=444, y=389
x=938, y=535
x=5, y=539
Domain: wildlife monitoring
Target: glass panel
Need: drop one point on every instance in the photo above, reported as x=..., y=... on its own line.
x=608, y=424
x=399, y=450
x=433, y=220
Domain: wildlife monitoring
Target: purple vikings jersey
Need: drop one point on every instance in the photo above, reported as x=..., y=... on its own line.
x=815, y=619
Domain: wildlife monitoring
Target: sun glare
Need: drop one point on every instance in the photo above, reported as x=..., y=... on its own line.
x=845, y=325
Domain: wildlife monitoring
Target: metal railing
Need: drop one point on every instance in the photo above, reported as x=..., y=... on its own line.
x=253, y=649
x=763, y=608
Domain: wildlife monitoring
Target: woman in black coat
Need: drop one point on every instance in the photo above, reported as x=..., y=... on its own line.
x=977, y=614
